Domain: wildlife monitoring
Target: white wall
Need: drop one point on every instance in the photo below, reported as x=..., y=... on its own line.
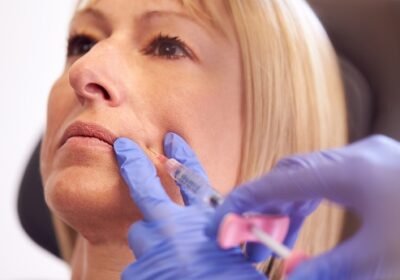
x=33, y=39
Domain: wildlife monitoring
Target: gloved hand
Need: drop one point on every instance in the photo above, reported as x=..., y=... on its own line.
x=170, y=242
x=364, y=177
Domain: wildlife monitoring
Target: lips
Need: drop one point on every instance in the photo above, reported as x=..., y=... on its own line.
x=89, y=130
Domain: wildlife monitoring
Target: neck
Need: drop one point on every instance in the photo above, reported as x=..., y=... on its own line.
x=100, y=261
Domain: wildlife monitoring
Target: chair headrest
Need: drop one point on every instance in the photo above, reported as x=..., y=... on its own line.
x=366, y=34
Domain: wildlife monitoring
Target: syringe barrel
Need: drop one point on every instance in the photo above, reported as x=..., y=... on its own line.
x=193, y=184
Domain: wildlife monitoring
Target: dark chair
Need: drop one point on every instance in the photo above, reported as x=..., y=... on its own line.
x=366, y=35
x=33, y=212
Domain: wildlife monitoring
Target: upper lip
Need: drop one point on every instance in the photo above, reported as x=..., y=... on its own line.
x=82, y=129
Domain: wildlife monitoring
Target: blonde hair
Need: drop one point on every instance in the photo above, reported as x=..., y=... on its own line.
x=293, y=96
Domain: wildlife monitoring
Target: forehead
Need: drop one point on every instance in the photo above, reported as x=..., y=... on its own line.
x=212, y=12
x=193, y=4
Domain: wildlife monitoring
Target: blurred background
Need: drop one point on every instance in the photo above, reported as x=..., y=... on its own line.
x=33, y=40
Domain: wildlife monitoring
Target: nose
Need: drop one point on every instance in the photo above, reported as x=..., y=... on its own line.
x=98, y=76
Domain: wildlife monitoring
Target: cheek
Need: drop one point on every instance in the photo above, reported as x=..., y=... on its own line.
x=60, y=106
x=208, y=117
x=216, y=137
x=61, y=102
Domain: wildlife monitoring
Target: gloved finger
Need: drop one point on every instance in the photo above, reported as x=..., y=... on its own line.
x=257, y=252
x=340, y=263
x=297, y=213
x=145, y=235
x=293, y=231
x=143, y=269
x=141, y=177
x=142, y=236
x=292, y=188
x=175, y=147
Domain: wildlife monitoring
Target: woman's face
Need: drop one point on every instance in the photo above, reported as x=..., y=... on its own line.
x=138, y=69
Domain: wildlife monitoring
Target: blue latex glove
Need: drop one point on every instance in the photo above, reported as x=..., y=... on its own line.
x=170, y=241
x=364, y=177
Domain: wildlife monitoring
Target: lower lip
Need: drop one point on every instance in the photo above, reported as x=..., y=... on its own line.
x=87, y=142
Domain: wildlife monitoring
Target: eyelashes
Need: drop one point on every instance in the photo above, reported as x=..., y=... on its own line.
x=162, y=46
x=79, y=45
x=168, y=47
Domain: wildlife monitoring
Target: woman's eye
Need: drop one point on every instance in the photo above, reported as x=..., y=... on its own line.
x=167, y=47
x=79, y=45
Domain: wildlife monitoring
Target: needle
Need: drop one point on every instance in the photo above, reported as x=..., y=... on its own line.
x=278, y=248
x=154, y=152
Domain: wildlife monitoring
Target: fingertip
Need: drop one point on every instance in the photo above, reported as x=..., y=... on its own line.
x=124, y=149
x=174, y=145
x=140, y=176
x=293, y=231
x=134, y=165
x=123, y=143
x=170, y=137
x=257, y=252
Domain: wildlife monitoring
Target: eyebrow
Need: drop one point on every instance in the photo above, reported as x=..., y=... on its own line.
x=92, y=12
x=158, y=13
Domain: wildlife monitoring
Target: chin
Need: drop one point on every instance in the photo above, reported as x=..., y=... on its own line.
x=92, y=200
x=86, y=191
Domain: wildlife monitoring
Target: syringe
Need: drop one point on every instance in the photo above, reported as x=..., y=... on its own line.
x=197, y=188
x=191, y=183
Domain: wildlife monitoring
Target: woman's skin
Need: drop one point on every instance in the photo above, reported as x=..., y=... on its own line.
x=127, y=73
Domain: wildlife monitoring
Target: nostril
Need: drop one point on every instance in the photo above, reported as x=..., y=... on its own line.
x=96, y=89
